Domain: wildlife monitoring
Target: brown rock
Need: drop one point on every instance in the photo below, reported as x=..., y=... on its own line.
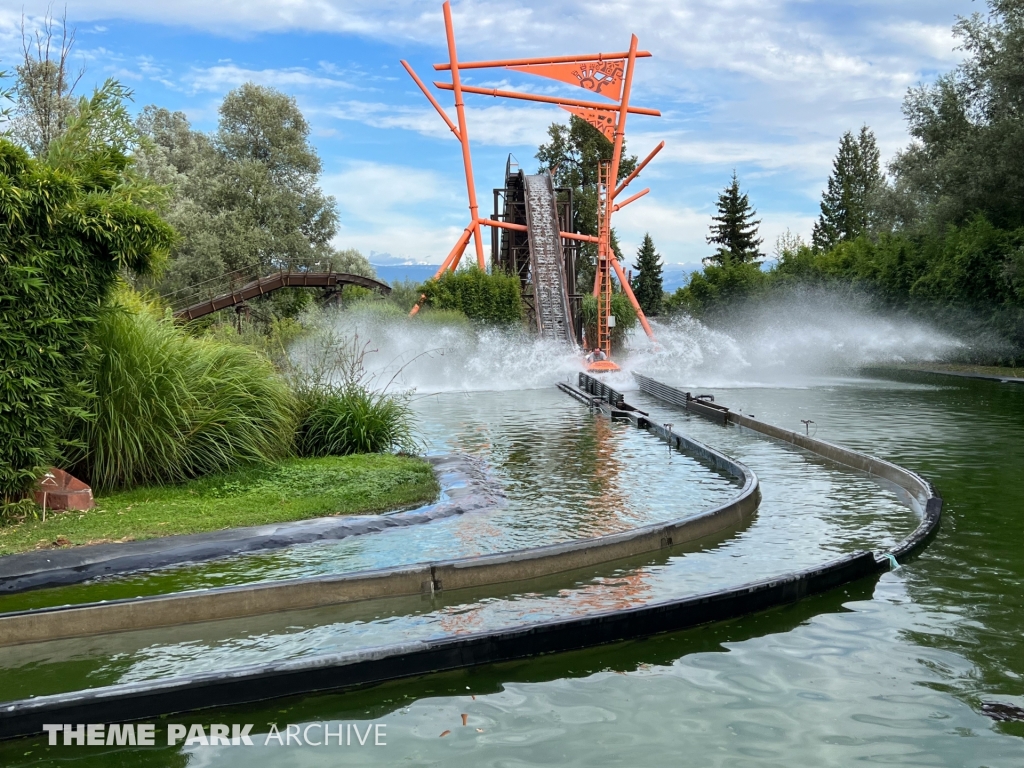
x=57, y=490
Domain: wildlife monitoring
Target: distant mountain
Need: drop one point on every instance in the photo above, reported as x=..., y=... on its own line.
x=676, y=275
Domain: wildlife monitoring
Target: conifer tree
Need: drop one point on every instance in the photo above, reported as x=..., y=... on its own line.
x=647, y=285
x=735, y=229
x=846, y=203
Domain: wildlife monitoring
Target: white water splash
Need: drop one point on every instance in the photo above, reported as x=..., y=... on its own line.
x=429, y=356
x=792, y=343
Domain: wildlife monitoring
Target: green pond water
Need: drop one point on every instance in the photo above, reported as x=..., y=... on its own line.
x=889, y=670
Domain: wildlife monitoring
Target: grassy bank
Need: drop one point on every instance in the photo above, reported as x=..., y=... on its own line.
x=296, y=489
x=983, y=370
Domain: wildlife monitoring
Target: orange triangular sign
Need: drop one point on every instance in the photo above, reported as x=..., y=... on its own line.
x=600, y=77
x=603, y=120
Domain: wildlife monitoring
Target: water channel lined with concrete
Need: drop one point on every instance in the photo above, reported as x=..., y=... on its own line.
x=567, y=474
x=893, y=670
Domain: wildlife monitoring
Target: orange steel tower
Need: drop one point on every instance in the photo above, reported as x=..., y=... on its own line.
x=609, y=75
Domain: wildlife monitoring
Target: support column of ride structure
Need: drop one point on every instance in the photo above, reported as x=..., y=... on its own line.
x=606, y=74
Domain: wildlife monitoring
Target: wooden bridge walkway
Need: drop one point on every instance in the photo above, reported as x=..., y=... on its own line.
x=274, y=282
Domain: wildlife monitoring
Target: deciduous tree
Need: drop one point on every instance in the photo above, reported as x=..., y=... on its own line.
x=45, y=84
x=244, y=199
x=572, y=154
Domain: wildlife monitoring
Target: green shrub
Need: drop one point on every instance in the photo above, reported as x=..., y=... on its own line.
x=488, y=298
x=170, y=406
x=718, y=285
x=625, y=319
x=271, y=339
x=340, y=410
x=68, y=225
x=449, y=318
x=352, y=419
x=404, y=294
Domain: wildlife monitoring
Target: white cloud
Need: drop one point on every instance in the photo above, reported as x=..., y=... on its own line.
x=407, y=212
x=701, y=150
x=933, y=40
x=224, y=77
x=500, y=125
x=767, y=85
x=679, y=231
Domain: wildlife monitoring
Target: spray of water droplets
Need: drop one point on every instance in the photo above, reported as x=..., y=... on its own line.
x=781, y=344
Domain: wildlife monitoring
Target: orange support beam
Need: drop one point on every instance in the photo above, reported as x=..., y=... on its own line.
x=547, y=99
x=503, y=225
x=629, y=200
x=608, y=171
x=577, y=236
x=432, y=100
x=543, y=60
x=450, y=261
x=628, y=290
x=636, y=171
x=460, y=110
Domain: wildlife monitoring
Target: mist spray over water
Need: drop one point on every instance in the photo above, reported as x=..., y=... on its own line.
x=440, y=353
x=792, y=341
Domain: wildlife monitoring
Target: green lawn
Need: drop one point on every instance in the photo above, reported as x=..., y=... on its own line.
x=293, y=490
x=987, y=370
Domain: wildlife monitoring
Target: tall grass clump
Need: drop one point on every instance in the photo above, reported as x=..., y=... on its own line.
x=340, y=411
x=349, y=418
x=170, y=406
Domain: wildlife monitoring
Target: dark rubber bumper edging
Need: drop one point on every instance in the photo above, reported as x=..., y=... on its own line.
x=119, y=703
x=136, y=701
x=217, y=604
x=465, y=484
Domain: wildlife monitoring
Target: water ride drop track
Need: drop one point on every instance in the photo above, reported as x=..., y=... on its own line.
x=550, y=284
x=340, y=671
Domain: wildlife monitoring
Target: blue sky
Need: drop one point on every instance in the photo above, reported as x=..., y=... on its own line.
x=762, y=86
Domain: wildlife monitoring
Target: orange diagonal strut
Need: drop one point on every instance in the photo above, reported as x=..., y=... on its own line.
x=608, y=75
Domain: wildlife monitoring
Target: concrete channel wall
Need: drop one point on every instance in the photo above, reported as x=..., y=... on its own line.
x=426, y=578
x=119, y=703
x=921, y=496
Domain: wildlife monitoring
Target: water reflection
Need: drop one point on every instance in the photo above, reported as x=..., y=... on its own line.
x=587, y=477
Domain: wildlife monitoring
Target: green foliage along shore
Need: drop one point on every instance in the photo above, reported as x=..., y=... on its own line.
x=94, y=380
x=490, y=298
x=942, y=235
x=647, y=285
x=293, y=489
x=70, y=221
x=170, y=406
